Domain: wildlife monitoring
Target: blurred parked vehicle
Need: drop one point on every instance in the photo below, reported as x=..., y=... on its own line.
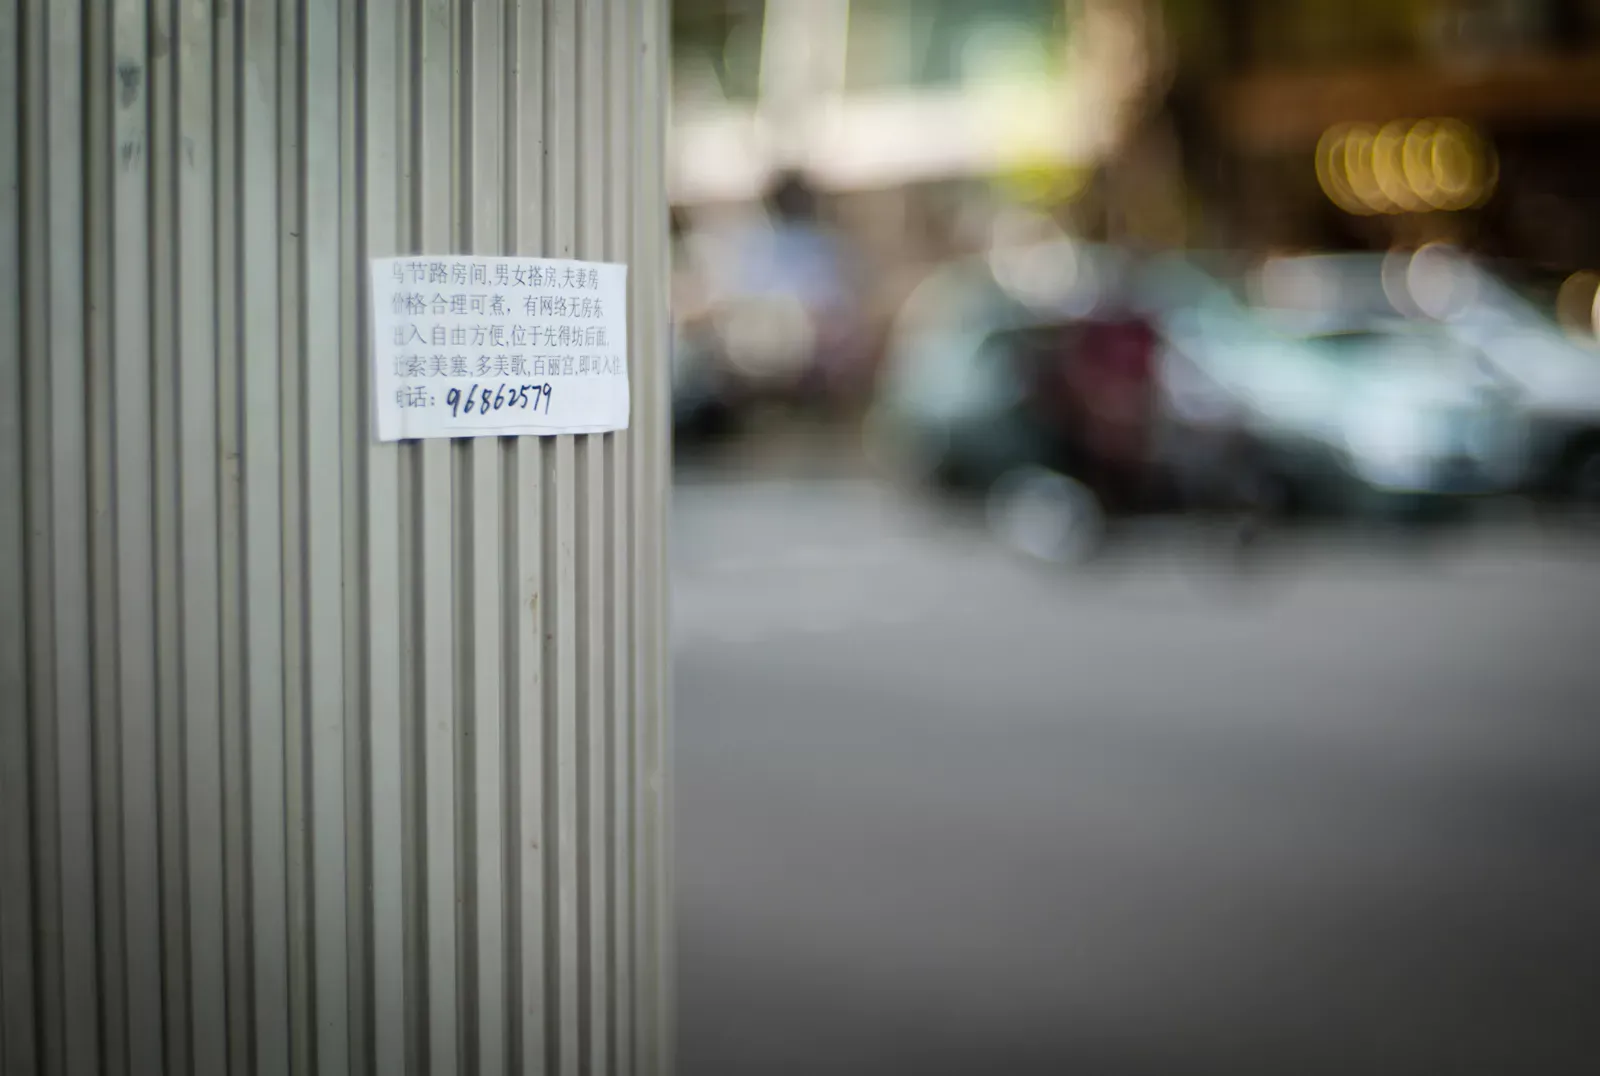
x=1555, y=375
x=1081, y=383
x=1546, y=378
x=1351, y=411
x=945, y=412
x=1032, y=379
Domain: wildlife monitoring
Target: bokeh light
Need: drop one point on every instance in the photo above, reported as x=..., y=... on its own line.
x=1406, y=166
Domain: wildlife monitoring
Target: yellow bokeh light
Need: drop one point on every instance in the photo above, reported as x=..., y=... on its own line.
x=1455, y=164
x=1331, y=171
x=1417, y=156
x=1388, y=167
x=1405, y=166
x=1359, y=171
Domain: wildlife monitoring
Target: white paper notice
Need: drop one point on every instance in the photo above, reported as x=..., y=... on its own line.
x=467, y=346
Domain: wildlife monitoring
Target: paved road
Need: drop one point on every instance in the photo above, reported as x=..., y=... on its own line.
x=942, y=812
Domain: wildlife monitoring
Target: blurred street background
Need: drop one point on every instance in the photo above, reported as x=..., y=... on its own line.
x=1137, y=535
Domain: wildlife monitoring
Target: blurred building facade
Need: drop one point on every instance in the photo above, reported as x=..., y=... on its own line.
x=1335, y=123
x=1204, y=115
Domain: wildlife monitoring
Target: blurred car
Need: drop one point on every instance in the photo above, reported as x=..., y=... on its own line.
x=1081, y=383
x=1349, y=409
x=946, y=410
x=1031, y=379
x=1555, y=376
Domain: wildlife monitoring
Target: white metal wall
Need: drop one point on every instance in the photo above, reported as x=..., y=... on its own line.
x=320, y=755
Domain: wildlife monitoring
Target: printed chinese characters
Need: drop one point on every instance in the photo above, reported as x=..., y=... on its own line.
x=475, y=329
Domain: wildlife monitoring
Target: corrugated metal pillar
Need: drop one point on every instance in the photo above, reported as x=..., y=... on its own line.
x=320, y=754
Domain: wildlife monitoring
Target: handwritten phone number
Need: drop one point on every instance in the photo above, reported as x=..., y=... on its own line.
x=481, y=399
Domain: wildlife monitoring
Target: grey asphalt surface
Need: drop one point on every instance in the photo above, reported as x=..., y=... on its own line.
x=939, y=811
